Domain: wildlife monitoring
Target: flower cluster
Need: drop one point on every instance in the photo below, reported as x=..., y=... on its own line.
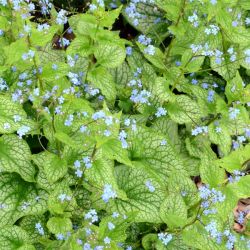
x=39, y=228
x=91, y=215
x=236, y=175
x=212, y=229
x=165, y=238
x=210, y=197
x=132, y=12
x=108, y=193
x=200, y=130
x=150, y=49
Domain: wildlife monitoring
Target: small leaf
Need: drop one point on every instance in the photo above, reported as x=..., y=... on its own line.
x=58, y=225
x=110, y=16
x=235, y=160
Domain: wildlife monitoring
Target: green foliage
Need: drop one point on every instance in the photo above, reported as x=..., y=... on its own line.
x=124, y=125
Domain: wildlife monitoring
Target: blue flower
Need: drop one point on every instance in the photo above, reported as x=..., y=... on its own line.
x=212, y=229
x=91, y=215
x=64, y=197
x=150, y=50
x=60, y=236
x=144, y=40
x=87, y=246
x=165, y=238
x=161, y=112
x=111, y=226
x=210, y=96
x=140, y=96
x=115, y=215
x=107, y=240
x=23, y=130
x=108, y=193
x=79, y=173
x=87, y=162
x=3, y=2
x=149, y=185
x=98, y=115
x=69, y=120
x=233, y=113
x=61, y=17
x=129, y=50
x=199, y=130
x=241, y=217
x=39, y=228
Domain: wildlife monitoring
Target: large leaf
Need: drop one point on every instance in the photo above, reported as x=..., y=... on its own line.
x=19, y=198
x=102, y=172
x=147, y=147
x=235, y=160
x=140, y=198
x=184, y=110
x=197, y=237
x=14, y=237
x=102, y=79
x=58, y=225
x=15, y=156
x=53, y=166
x=149, y=20
x=8, y=111
x=113, y=150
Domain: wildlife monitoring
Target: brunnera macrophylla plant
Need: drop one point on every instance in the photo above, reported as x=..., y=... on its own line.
x=125, y=124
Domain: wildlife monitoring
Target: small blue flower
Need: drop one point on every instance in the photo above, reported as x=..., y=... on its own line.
x=211, y=228
x=23, y=130
x=87, y=162
x=60, y=236
x=115, y=215
x=79, y=173
x=233, y=113
x=108, y=193
x=111, y=226
x=165, y=238
x=107, y=240
x=129, y=51
x=150, y=50
x=91, y=215
x=210, y=97
x=150, y=186
x=241, y=217
x=160, y=112
x=61, y=17
x=39, y=228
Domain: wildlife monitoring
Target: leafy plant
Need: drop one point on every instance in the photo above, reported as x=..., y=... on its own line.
x=124, y=124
